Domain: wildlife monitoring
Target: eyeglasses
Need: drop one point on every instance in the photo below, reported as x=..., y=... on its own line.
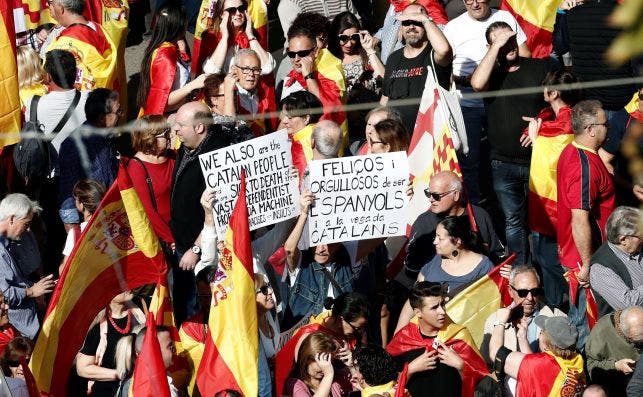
x=233, y=10
x=300, y=54
x=410, y=22
x=265, y=289
x=605, y=124
x=343, y=38
x=436, y=196
x=524, y=292
x=248, y=70
x=469, y=2
x=354, y=328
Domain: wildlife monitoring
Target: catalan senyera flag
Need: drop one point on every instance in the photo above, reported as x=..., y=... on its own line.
x=632, y=108
x=149, y=378
x=472, y=306
x=10, y=104
x=554, y=134
x=36, y=13
x=536, y=18
x=95, y=53
x=205, y=41
x=117, y=251
x=452, y=335
x=230, y=359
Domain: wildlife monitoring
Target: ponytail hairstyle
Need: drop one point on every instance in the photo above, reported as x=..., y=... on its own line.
x=350, y=306
x=125, y=356
x=459, y=227
x=572, y=95
x=89, y=192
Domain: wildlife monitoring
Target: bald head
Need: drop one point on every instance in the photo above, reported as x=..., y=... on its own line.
x=594, y=391
x=632, y=323
x=327, y=140
x=191, y=123
x=446, y=189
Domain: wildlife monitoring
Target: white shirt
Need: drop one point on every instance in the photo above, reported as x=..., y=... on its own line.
x=71, y=239
x=248, y=100
x=209, y=66
x=466, y=36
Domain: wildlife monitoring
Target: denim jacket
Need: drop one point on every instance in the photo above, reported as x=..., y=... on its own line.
x=307, y=294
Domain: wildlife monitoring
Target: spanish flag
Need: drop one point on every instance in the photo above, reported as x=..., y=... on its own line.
x=205, y=41
x=633, y=108
x=452, y=335
x=230, y=359
x=554, y=134
x=433, y=7
x=32, y=387
x=543, y=374
x=117, y=251
x=95, y=53
x=193, y=335
x=536, y=18
x=10, y=104
x=149, y=378
x=36, y=13
x=162, y=71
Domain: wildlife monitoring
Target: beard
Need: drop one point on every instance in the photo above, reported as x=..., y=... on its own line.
x=414, y=38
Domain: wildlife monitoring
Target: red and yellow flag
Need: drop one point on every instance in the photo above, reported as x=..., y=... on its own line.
x=117, y=251
x=633, y=108
x=205, y=41
x=232, y=347
x=543, y=374
x=554, y=134
x=453, y=335
x=433, y=7
x=536, y=19
x=149, y=378
x=32, y=387
x=36, y=13
x=10, y=104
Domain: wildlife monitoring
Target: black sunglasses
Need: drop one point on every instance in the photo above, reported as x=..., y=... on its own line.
x=301, y=54
x=345, y=37
x=538, y=291
x=410, y=22
x=233, y=10
x=436, y=196
x=264, y=289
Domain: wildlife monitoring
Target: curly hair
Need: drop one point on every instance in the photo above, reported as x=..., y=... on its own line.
x=375, y=364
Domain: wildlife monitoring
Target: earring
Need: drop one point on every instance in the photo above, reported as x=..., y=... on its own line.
x=455, y=253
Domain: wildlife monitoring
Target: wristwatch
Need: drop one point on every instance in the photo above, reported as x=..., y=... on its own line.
x=310, y=75
x=196, y=249
x=504, y=325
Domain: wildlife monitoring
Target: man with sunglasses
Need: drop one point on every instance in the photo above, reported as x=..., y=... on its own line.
x=613, y=347
x=521, y=331
x=407, y=68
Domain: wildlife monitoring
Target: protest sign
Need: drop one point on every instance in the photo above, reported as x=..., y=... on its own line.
x=272, y=193
x=358, y=198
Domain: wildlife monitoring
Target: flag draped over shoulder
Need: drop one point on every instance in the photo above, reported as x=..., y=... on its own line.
x=36, y=13
x=536, y=19
x=230, y=359
x=149, y=378
x=162, y=72
x=453, y=335
x=117, y=251
x=554, y=134
x=544, y=374
x=205, y=41
x=633, y=108
x=10, y=103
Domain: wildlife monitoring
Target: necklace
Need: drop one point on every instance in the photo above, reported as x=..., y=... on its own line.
x=120, y=330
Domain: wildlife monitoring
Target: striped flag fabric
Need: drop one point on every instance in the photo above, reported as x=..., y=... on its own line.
x=10, y=104
x=32, y=386
x=36, y=13
x=554, y=134
x=632, y=108
x=204, y=39
x=434, y=8
x=536, y=19
x=149, y=378
x=117, y=251
x=230, y=358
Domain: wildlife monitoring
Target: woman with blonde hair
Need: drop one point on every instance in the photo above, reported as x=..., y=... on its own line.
x=31, y=75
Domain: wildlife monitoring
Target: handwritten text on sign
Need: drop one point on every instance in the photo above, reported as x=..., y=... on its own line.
x=358, y=198
x=272, y=195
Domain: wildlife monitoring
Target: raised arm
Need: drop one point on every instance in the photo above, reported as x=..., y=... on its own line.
x=482, y=74
x=292, y=252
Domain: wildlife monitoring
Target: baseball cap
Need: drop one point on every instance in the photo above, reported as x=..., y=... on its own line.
x=562, y=333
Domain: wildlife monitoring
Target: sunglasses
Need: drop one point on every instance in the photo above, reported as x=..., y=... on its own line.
x=345, y=37
x=436, y=196
x=524, y=292
x=300, y=54
x=410, y=22
x=265, y=289
x=233, y=10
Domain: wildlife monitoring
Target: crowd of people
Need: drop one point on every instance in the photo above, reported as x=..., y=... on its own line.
x=543, y=181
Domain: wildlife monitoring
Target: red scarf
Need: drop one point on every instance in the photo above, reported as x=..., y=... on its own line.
x=295, y=76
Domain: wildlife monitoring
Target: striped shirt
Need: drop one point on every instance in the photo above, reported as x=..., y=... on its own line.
x=612, y=288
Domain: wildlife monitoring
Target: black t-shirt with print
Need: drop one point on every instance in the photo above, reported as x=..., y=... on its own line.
x=405, y=78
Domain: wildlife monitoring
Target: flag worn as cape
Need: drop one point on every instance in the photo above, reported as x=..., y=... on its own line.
x=632, y=108
x=162, y=71
x=117, y=251
x=545, y=375
x=554, y=134
x=10, y=104
x=536, y=19
x=452, y=335
x=149, y=378
x=205, y=41
x=95, y=54
x=230, y=358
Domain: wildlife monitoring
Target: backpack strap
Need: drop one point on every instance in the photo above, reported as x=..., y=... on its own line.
x=33, y=111
x=67, y=114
